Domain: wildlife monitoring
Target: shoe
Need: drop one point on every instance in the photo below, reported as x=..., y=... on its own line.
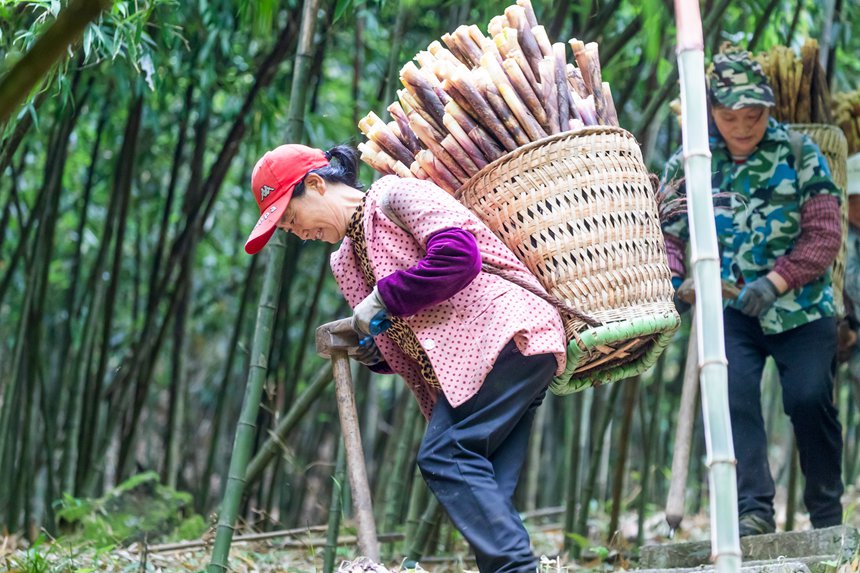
x=752, y=524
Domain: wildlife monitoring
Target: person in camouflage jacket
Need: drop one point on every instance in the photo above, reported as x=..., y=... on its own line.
x=777, y=217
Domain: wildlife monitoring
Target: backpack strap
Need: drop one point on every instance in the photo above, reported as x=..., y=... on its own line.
x=795, y=140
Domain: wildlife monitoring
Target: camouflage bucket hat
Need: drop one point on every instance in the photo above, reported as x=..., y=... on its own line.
x=737, y=81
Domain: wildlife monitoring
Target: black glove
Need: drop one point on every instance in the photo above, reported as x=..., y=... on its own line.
x=367, y=352
x=680, y=305
x=757, y=297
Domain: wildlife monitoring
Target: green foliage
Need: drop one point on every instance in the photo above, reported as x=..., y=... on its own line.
x=138, y=509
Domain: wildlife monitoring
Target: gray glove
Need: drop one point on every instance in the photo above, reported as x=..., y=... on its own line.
x=757, y=297
x=681, y=305
x=366, y=311
x=367, y=352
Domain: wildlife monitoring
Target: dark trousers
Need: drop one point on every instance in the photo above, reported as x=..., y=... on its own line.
x=806, y=360
x=471, y=457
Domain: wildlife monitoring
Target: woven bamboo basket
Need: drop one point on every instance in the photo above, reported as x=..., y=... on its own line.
x=578, y=210
x=831, y=140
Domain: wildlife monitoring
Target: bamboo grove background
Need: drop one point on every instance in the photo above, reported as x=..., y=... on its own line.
x=127, y=304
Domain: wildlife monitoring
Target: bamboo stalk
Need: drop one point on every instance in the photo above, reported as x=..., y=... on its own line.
x=411, y=106
x=542, y=40
x=500, y=107
x=529, y=12
x=525, y=91
x=713, y=372
x=561, y=88
x=245, y=432
x=496, y=25
x=605, y=416
x=575, y=123
x=592, y=70
x=480, y=39
x=373, y=157
x=390, y=165
x=576, y=81
x=509, y=47
x=489, y=47
x=53, y=44
x=621, y=448
x=429, y=518
x=484, y=114
x=458, y=99
x=287, y=423
x=395, y=485
x=528, y=44
x=578, y=48
x=454, y=128
x=497, y=75
x=437, y=171
x=586, y=110
x=462, y=38
x=334, y=511
x=417, y=171
x=422, y=89
x=407, y=136
x=455, y=49
x=459, y=154
x=550, y=95
x=442, y=54
x=611, y=114
x=380, y=134
x=479, y=136
x=424, y=133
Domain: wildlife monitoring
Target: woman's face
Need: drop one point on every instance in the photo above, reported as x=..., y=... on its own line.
x=319, y=214
x=742, y=129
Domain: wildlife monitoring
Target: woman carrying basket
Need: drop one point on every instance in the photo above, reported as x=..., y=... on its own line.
x=778, y=228
x=477, y=351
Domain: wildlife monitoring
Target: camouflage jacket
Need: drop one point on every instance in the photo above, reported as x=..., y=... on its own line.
x=757, y=216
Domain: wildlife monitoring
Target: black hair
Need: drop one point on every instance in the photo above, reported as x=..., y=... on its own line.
x=343, y=168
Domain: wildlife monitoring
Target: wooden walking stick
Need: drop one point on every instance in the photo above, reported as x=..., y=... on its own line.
x=683, y=435
x=334, y=339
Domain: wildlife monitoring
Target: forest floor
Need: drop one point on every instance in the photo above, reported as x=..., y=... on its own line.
x=303, y=553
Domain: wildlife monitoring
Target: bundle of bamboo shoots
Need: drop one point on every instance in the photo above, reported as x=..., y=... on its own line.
x=480, y=96
x=846, y=113
x=799, y=84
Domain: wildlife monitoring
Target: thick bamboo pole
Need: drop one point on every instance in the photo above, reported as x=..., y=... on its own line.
x=334, y=511
x=246, y=431
x=725, y=543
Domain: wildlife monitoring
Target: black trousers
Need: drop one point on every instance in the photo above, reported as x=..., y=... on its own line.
x=806, y=360
x=471, y=457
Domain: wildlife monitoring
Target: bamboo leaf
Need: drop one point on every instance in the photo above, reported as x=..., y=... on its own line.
x=341, y=8
x=88, y=42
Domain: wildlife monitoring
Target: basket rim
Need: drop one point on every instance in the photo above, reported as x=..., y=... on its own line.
x=587, y=130
x=829, y=126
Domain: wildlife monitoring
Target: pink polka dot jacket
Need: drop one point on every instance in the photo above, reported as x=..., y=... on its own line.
x=464, y=334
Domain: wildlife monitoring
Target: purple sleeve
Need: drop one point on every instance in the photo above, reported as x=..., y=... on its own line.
x=675, y=255
x=451, y=263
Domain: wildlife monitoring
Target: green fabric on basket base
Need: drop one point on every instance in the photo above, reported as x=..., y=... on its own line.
x=660, y=327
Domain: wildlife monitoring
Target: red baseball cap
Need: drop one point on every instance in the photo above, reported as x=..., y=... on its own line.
x=273, y=180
